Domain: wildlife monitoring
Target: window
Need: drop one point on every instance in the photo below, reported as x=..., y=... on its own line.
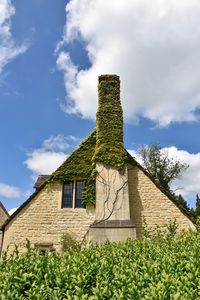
x=67, y=200
x=80, y=185
x=73, y=194
x=44, y=247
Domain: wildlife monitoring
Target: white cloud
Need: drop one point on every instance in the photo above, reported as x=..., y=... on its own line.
x=52, y=142
x=59, y=142
x=135, y=155
x=188, y=184
x=12, y=210
x=50, y=155
x=8, y=47
x=154, y=48
x=44, y=162
x=9, y=191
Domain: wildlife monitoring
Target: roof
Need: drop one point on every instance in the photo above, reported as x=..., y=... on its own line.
x=3, y=208
x=5, y=211
x=79, y=163
x=82, y=157
x=40, y=180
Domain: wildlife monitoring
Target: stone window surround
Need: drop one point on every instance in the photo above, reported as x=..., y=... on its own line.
x=73, y=195
x=44, y=247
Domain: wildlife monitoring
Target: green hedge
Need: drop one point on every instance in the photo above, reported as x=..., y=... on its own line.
x=161, y=268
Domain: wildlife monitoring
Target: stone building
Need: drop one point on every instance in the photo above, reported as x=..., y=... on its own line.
x=99, y=193
x=3, y=217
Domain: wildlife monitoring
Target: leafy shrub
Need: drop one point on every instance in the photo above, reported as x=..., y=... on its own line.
x=172, y=228
x=167, y=230
x=69, y=242
x=159, y=268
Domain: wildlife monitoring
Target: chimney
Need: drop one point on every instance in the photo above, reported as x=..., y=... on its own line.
x=112, y=209
x=109, y=123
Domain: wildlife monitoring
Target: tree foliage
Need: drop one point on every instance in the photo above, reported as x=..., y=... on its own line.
x=196, y=211
x=160, y=166
x=182, y=202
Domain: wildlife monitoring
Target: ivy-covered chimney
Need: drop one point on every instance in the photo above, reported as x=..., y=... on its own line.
x=109, y=123
x=112, y=207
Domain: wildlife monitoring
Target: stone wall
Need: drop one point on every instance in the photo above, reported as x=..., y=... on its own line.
x=149, y=203
x=113, y=221
x=112, y=197
x=43, y=220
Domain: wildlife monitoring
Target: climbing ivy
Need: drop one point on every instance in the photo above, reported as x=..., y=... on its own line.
x=103, y=145
x=79, y=165
x=109, y=148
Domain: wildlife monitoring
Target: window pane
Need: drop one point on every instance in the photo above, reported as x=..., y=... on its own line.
x=67, y=194
x=80, y=185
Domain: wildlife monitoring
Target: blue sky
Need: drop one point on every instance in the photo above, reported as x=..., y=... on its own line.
x=50, y=59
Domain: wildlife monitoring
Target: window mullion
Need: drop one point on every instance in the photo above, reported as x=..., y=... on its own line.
x=74, y=193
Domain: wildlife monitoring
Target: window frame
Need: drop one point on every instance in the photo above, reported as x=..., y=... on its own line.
x=44, y=247
x=74, y=193
x=63, y=188
x=75, y=198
